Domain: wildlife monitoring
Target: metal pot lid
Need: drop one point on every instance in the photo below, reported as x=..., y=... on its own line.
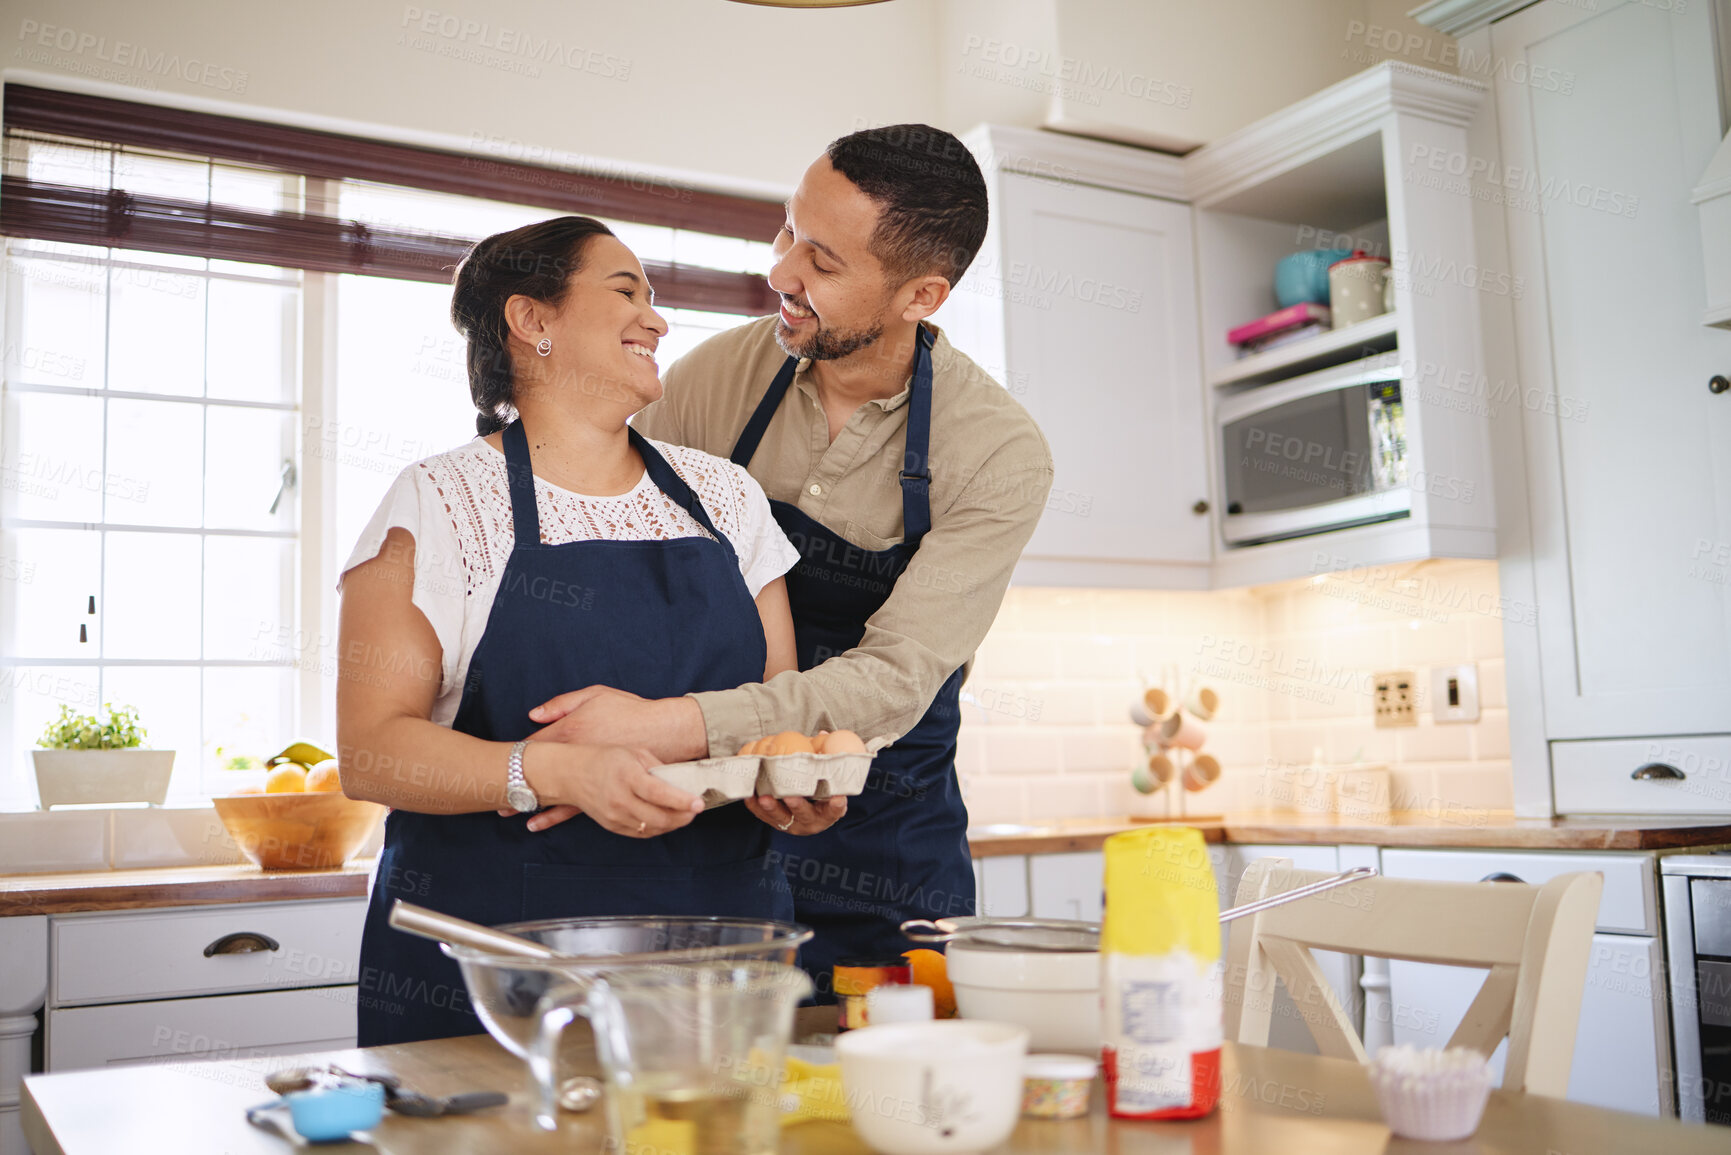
x=1028, y=934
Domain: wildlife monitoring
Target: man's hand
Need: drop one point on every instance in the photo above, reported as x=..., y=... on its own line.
x=798, y=815
x=670, y=728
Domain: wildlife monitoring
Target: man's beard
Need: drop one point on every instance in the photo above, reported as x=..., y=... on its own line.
x=826, y=344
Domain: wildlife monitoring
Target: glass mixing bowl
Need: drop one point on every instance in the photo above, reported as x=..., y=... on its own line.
x=505, y=991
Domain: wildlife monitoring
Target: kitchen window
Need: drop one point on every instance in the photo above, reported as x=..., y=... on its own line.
x=191, y=444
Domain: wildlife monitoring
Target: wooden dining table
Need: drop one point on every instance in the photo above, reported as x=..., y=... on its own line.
x=1272, y=1102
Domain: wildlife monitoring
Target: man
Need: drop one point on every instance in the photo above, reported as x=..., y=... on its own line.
x=909, y=481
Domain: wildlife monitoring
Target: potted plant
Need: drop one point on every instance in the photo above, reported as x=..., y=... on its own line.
x=85, y=759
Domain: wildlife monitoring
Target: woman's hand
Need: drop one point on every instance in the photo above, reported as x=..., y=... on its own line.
x=798, y=815
x=611, y=784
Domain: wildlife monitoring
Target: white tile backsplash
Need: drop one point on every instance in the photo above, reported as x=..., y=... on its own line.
x=1292, y=663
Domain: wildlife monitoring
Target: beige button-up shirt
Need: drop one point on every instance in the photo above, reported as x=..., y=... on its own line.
x=991, y=472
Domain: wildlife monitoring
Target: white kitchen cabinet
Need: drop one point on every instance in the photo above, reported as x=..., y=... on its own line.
x=1067, y=885
x=186, y=1030
x=1628, y=453
x=1083, y=303
x=1622, y=1056
x=113, y=958
x=116, y=981
x=1002, y=882
x=1345, y=169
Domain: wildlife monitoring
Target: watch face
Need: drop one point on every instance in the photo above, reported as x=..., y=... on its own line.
x=522, y=799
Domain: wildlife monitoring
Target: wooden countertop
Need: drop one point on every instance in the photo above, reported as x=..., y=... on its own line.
x=1467, y=828
x=209, y=885
x=1271, y=1101
x=175, y=886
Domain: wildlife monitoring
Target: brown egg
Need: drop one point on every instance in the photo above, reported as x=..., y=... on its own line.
x=843, y=742
x=750, y=747
x=789, y=742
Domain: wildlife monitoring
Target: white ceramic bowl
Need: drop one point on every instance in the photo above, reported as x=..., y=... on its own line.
x=941, y=1088
x=1055, y=994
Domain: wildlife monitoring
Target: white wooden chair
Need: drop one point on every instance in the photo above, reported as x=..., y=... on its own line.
x=1534, y=940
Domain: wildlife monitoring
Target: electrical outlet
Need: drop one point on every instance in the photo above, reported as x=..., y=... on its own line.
x=1454, y=693
x=1396, y=700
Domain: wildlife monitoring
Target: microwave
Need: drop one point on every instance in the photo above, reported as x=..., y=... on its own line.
x=1315, y=453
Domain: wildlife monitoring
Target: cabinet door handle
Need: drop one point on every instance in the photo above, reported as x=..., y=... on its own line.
x=1718, y=383
x=1656, y=771
x=1502, y=876
x=242, y=942
x=1199, y=508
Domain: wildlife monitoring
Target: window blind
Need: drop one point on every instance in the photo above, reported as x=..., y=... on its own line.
x=323, y=243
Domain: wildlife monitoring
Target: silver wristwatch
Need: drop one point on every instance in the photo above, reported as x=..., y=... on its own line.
x=517, y=792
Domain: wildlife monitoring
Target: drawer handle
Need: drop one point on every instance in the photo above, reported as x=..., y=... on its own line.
x=242, y=942
x=1656, y=771
x=1502, y=876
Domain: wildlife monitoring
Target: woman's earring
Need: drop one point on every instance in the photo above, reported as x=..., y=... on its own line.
x=545, y=346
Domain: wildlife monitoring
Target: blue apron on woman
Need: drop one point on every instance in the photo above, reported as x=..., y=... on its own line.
x=657, y=618
x=901, y=852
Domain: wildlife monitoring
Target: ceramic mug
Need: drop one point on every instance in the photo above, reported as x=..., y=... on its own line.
x=1180, y=729
x=1153, y=774
x=1202, y=703
x=1356, y=289
x=1157, y=702
x=1202, y=772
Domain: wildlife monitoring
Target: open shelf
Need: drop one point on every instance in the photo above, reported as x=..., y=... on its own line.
x=1377, y=335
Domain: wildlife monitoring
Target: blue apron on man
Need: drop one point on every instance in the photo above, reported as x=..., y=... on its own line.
x=901, y=851
x=656, y=618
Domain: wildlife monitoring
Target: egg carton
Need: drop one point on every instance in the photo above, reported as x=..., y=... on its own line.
x=718, y=780
x=723, y=780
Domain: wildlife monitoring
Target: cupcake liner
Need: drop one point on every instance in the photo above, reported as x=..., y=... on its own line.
x=1441, y=1104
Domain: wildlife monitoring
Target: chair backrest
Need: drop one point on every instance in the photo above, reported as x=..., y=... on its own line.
x=1535, y=941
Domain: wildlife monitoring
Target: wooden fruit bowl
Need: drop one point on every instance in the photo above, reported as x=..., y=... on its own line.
x=298, y=831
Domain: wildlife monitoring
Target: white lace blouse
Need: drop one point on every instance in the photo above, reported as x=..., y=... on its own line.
x=457, y=507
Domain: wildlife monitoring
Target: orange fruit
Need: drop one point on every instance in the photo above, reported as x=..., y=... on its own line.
x=289, y=778
x=930, y=970
x=323, y=777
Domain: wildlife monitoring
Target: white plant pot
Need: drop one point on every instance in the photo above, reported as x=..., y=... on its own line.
x=73, y=777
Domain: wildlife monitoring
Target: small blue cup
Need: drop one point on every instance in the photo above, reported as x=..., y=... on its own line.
x=328, y=1113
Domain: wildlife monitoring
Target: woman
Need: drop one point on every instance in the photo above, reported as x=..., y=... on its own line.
x=557, y=550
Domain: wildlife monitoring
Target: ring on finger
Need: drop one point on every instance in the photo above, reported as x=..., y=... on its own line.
x=786, y=826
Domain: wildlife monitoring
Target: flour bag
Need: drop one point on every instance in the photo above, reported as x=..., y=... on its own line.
x=1160, y=981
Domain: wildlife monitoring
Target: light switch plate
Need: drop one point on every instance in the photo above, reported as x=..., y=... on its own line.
x=1396, y=699
x=1454, y=693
